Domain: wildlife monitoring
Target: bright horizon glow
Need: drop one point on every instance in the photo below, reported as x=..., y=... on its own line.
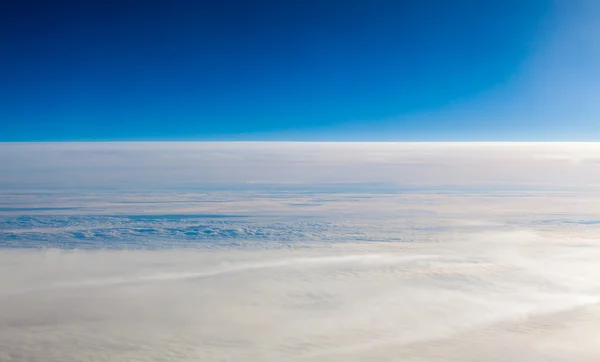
x=183, y=165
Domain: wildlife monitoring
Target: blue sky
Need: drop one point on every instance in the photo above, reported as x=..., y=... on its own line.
x=299, y=70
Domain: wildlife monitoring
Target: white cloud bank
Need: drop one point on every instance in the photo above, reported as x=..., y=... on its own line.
x=178, y=165
x=307, y=252
x=482, y=297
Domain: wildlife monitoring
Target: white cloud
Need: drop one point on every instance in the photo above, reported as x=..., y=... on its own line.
x=322, y=303
x=309, y=252
x=193, y=166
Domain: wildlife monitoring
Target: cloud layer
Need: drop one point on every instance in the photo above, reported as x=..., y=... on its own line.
x=193, y=166
x=309, y=252
x=421, y=301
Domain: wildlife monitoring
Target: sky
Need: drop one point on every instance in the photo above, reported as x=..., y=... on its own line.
x=315, y=70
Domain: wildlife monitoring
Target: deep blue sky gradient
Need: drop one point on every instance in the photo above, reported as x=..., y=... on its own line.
x=244, y=70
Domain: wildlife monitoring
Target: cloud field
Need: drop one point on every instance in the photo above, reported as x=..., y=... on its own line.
x=299, y=252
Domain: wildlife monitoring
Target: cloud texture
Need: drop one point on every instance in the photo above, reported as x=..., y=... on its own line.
x=308, y=252
x=469, y=299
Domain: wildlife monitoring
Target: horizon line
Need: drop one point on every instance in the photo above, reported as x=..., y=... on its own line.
x=282, y=141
